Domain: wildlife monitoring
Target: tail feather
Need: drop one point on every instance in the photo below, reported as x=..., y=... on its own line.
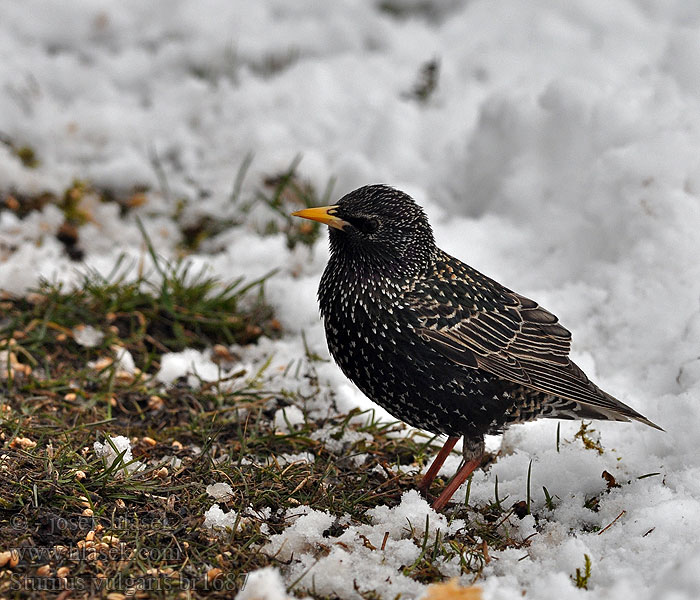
x=620, y=412
x=532, y=404
x=601, y=405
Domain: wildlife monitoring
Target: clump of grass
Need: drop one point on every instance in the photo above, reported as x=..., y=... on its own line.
x=273, y=63
x=65, y=510
x=28, y=157
x=548, y=501
x=25, y=153
x=166, y=311
x=581, y=578
x=427, y=82
x=422, y=9
x=72, y=202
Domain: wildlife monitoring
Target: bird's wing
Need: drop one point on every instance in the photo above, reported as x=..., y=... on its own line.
x=498, y=339
x=475, y=322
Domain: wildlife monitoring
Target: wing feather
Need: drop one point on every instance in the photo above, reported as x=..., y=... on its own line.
x=512, y=337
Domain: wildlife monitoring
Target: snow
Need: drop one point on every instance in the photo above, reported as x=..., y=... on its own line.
x=264, y=583
x=118, y=448
x=335, y=444
x=219, y=491
x=392, y=541
x=123, y=360
x=299, y=457
x=194, y=364
x=287, y=418
x=558, y=155
x=216, y=518
x=88, y=336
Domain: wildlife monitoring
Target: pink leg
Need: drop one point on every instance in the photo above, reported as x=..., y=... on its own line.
x=460, y=477
x=437, y=463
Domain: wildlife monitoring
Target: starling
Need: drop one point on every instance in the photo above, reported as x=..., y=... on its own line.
x=435, y=342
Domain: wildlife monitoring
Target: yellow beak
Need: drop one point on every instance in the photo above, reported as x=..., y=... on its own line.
x=322, y=214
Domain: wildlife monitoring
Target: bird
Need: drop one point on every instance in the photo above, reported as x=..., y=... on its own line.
x=436, y=343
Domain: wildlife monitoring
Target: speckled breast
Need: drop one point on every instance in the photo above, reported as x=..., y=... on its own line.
x=382, y=354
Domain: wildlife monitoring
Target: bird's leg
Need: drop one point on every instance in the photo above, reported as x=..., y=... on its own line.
x=473, y=451
x=437, y=463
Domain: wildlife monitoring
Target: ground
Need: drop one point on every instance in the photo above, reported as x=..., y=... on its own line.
x=159, y=332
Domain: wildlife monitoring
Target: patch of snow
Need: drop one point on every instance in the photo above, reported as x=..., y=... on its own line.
x=337, y=444
x=118, y=449
x=219, y=491
x=286, y=459
x=88, y=336
x=303, y=535
x=287, y=418
x=264, y=584
x=370, y=557
x=194, y=364
x=123, y=360
x=218, y=519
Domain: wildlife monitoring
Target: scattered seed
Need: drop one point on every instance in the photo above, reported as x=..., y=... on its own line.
x=22, y=442
x=43, y=571
x=102, y=363
x=155, y=403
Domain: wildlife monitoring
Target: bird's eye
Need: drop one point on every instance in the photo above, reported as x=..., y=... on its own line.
x=365, y=224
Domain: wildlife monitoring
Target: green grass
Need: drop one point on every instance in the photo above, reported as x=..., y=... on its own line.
x=169, y=311
x=582, y=576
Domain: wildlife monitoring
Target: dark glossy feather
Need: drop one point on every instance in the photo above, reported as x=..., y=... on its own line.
x=487, y=326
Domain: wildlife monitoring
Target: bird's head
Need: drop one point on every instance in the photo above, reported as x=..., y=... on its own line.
x=378, y=227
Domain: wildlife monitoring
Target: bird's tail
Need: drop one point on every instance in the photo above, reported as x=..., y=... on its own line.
x=614, y=411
